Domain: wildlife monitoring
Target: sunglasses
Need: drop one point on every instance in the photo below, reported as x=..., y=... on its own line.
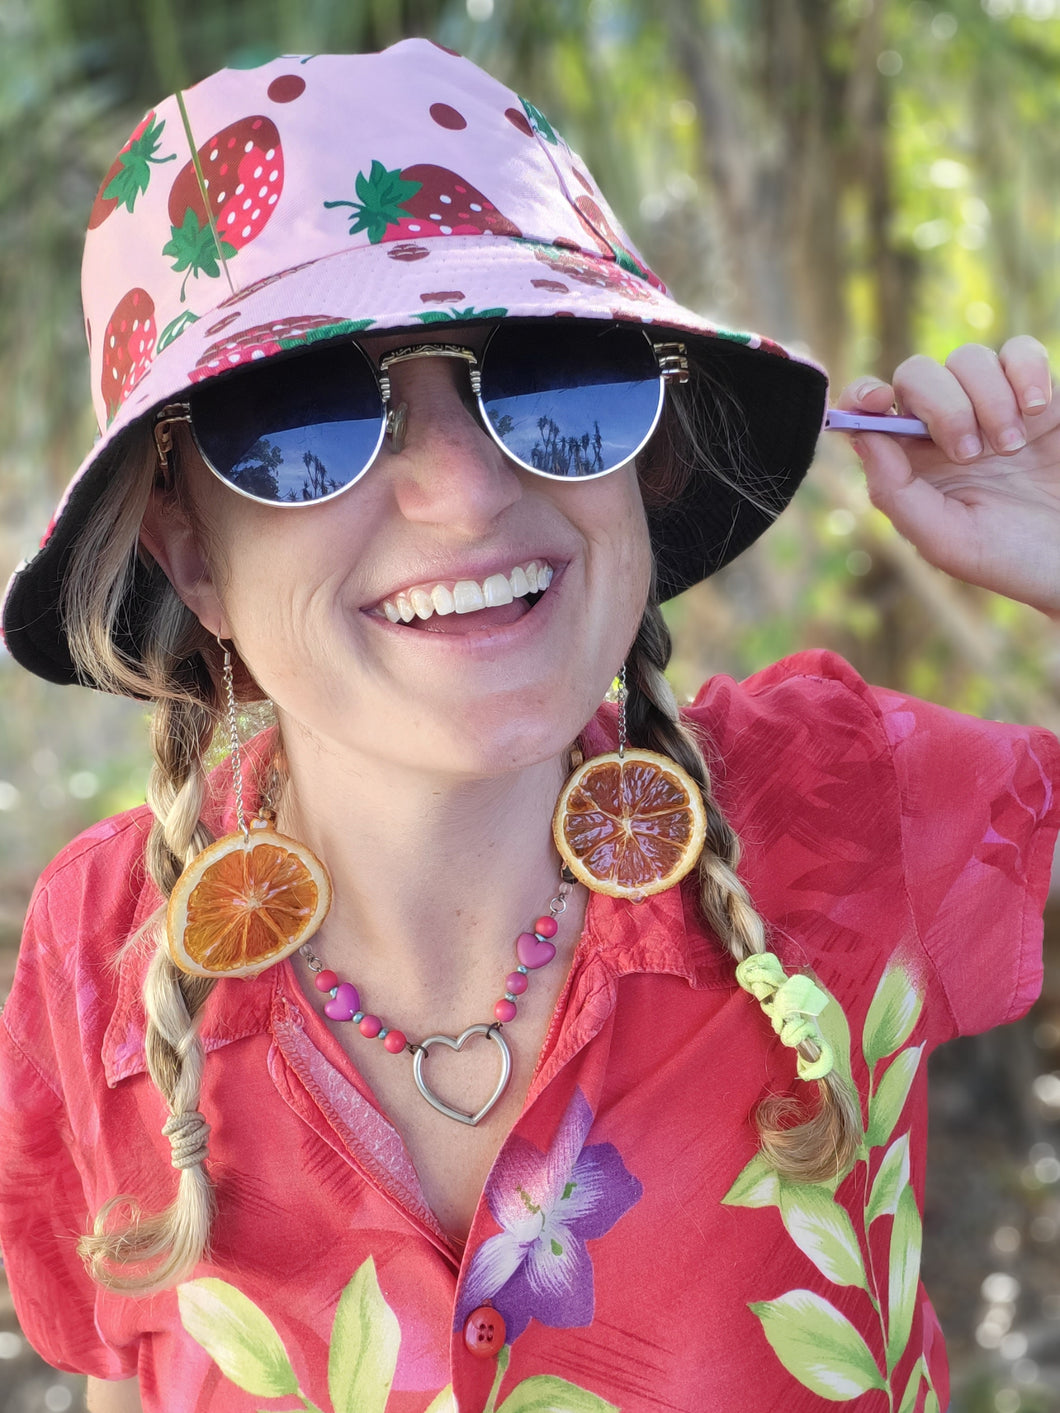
x=568, y=402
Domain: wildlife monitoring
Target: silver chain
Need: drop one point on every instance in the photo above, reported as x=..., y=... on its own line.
x=233, y=740
x=622, y=695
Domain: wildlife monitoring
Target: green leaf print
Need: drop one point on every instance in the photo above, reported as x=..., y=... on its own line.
x=906, y=1237
x=544, y=1393
x=821, y=1229
x=444, y=1403
x=891, y=1179
x=912, y=1388
x=886, y=1105
x=238, y=1337
x=892, y=1015
x=447, y=316
x=818, y=1345
x=757, y=1186
x=931, y=1403
x=836, y=1030
x=364, y=1346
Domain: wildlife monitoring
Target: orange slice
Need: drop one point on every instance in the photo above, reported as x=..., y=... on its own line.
x=630, y=825
x=243, y=904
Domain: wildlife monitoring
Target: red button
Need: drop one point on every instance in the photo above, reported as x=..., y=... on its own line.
x=484, y=1332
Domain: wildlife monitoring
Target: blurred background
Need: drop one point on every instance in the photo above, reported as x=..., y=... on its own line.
x=862, y=178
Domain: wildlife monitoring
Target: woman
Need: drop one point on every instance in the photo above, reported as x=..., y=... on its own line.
x=488, y=1137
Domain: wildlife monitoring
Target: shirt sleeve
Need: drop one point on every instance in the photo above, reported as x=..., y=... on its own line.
x=980, y=807
x=44, y=1208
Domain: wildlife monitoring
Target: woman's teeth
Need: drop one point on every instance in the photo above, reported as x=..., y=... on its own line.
x=468, y=595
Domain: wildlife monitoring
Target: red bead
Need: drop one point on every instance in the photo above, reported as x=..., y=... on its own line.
x=394, y=1041
x=504, y=1010
x=485, y=1332
x=326, y=981
x=371, y=1026
x=516, y=982
x=546, y=927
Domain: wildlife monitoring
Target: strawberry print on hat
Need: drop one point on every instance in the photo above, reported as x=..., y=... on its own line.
x=268, y=339
x=128, y=346
x=130, y=171
x=421, y=200
x=242, y=178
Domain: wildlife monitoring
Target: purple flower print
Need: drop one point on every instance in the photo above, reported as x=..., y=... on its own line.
x=549, y=1205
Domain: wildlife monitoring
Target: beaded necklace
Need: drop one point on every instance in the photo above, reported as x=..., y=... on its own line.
x=533, y=950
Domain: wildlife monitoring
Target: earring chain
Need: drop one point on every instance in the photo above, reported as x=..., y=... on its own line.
x=622, y=695
x=233, y=740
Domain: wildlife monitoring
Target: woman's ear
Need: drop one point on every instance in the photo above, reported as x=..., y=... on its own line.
x=170, y=538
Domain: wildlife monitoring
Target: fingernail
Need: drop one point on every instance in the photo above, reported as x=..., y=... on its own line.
x=867, y=385
x=968, y=448
x=1034, y=397
x=1011, y=439
x=858, y=448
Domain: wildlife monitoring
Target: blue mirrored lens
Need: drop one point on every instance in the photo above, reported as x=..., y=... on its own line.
x=570, y=400
x=292, y=430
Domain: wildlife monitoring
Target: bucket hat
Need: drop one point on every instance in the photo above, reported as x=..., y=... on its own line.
x=386, y=192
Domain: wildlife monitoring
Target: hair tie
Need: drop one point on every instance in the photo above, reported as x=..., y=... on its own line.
x=792, y=1004
x=189, y=1136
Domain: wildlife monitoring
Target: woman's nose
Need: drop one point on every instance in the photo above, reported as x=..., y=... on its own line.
x=449, y=469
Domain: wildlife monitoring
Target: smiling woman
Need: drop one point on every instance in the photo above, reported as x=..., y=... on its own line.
x=471, y=1036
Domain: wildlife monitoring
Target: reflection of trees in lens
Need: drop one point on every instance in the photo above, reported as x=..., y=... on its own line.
x=317, y=482
x=567, y=456
x=255, y=473
x=502, y=424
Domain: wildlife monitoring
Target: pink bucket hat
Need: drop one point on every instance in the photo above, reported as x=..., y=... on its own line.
x=386, y=192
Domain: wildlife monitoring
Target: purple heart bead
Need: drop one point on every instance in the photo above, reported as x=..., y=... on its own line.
x=532, y=952
x=345, y=1003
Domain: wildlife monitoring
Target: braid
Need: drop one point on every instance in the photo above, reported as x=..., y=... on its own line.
x=155, y=1251
x=823, y=1144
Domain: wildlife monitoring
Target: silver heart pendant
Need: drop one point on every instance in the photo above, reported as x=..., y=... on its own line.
x=492, y=1032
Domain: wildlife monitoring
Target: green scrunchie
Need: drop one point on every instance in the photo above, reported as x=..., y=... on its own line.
x=792, y=1004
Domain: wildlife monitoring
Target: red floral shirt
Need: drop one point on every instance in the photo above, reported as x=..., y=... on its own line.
x=629, y=1250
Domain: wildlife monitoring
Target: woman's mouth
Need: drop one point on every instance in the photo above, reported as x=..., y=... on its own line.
x=499, y=598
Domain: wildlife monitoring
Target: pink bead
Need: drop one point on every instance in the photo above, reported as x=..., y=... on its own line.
x=546, y=927
x=516, y=982
x=394, y=1041
x=326, y=981
x=371, y=1026
x=345, y=1003
x=504, y=1010
x=532, y=952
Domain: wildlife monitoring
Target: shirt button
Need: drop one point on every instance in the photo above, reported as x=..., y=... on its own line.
x=484, y=1332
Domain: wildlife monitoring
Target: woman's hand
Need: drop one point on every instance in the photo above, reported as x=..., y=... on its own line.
x=982, y=498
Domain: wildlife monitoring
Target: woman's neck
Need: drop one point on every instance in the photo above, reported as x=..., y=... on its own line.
x=428, y=871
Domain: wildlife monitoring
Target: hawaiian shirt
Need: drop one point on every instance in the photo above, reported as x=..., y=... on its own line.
x=630, y=1249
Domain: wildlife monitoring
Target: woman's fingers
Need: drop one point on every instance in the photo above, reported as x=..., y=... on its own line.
x=968, y=399
x=976, y=402
x=1026, y=365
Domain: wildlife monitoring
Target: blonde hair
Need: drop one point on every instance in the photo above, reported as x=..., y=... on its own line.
x=127, y=1250
x=166, y=656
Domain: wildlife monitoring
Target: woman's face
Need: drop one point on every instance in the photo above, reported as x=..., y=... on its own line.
x=305, y=592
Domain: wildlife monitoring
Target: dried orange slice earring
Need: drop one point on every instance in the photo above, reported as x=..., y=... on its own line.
x=245, y=902
x=629, y=823
x=249, y=899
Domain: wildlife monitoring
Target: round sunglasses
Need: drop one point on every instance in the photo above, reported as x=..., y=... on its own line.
x=570, y=403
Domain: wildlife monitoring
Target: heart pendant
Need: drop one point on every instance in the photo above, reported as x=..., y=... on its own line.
x=492, y=1032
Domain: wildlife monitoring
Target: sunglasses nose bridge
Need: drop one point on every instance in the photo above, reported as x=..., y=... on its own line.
x=428, y=350
x=396, y=418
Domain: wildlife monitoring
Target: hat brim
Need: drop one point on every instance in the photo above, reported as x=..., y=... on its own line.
x=779, y=399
